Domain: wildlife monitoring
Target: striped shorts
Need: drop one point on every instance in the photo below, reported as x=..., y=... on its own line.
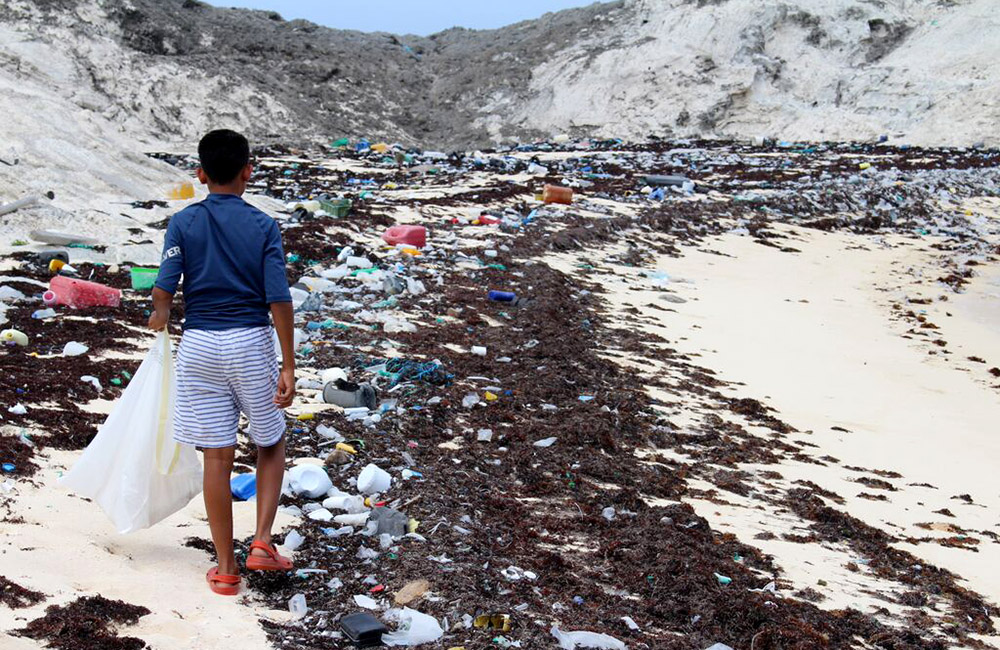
x=221, y=374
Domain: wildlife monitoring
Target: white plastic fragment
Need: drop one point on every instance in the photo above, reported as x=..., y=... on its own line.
x=322, y=514
x=545, y=442
x=479, y=350
x=719, y=646
x=365, y=602
x=630, y=622
x=17, y=409
x=573, y=640
x=484, y=435
x=93, y=381
x=415, y=628
x=293, y=541
x=609, y=513
x=297, y=606
x=74, y=349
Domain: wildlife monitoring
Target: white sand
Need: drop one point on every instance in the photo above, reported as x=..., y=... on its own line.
x=68, y=548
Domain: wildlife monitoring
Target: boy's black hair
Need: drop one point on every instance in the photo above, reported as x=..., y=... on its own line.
x=223, y=155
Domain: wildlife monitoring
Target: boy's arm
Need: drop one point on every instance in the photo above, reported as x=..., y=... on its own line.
x=171, y=269
x=161, y=309
x=279, y=298
x=281, y=312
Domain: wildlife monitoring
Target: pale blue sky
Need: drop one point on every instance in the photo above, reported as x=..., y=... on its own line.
x=420, y=17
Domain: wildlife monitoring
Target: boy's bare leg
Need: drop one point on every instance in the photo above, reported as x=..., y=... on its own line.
x=270, y=472
x=219, y=505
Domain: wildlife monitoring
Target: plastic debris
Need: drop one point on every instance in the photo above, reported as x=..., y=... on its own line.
x=572, y=640
x=414, y=629
x=545, y=442
x=293, y=541
x=374, y=480
x=297, y=606
x=74, y=349
x=367, y=602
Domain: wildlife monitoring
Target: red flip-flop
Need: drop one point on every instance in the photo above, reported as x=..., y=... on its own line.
x=222, y=584
x=273, y=561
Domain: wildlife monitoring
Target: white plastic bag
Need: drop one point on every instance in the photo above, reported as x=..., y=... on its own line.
x=573, y=640
x=133, y=469
x=415, y=628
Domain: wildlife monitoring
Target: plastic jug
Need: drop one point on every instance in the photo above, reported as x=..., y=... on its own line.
x=80, y=293
x=556, y=194
x=412, y=235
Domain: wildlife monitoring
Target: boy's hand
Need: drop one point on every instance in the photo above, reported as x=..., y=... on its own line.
x=158, y=320
x=286, y=388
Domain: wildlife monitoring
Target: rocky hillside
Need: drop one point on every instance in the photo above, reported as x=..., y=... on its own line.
x=920, y=71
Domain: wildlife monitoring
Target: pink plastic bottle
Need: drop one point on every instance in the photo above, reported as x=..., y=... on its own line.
x=412, y=235
x=80, y=293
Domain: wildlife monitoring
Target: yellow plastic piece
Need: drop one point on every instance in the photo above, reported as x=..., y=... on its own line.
x=306, y=416
x=55, y=265
x=411, y=251
x=864, y=165
x=181, y=192
x=343, y=446
x=490, y=397
x=412, y=525
x=380, y=147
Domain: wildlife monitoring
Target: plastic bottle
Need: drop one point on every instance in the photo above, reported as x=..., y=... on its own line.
x=80, y=293
x=556, y=194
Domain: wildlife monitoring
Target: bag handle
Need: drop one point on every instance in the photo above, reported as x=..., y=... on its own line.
x=167, y=361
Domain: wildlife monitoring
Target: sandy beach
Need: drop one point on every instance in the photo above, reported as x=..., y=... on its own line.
x=727, y=387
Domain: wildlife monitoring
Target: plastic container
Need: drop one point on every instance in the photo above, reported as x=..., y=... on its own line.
x=502, y=296
x=336, y=207
x=374, y=480
x=80, y=293
x=556, y=194
x=309, y=480
x=411, y=235
x=244, y=486
x=143, y=279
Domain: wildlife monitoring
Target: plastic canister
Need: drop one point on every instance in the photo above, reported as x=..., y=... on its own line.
x=412, y=235
x=556, y=194
x=502, y=296
x=80, y=293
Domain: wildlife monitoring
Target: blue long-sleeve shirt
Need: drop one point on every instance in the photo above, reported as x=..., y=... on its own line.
x=230, y=255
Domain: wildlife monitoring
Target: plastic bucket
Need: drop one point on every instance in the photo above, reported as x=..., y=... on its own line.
x=143, y=279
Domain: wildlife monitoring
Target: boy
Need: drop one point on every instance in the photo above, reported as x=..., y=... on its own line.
x=233, y=265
